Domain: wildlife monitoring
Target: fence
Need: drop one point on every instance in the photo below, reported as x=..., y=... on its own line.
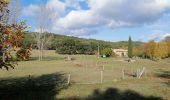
x=93, y=74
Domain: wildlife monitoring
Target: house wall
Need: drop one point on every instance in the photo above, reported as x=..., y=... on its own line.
x=120, y=52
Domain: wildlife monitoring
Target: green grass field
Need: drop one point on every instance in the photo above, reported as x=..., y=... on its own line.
x=85, y=73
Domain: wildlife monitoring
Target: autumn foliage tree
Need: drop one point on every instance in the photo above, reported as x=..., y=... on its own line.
x=11, y=36
x=149, y=49
x=162, y=50
x=152, y=50
x=167, y=40
x=139, y=51
x=24, y=53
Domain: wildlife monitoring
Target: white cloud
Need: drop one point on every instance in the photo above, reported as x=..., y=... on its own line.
x=55, y=6
x=106, y=13
x=31, y=10
x=166, y=35
x=155, y=36
x=158, y=36
x=74, y=32
x=78, y=19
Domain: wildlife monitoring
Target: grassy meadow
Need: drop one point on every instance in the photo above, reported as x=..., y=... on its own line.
x=85, y=77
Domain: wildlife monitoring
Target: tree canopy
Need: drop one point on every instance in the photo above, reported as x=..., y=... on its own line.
x=130, y=48
x=11, y=36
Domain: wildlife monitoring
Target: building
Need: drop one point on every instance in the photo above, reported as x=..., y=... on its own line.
x=120, y=52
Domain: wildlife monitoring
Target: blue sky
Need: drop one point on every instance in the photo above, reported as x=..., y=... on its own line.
x=110, y=20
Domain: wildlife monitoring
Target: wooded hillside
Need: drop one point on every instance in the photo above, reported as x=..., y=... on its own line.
x=74, y=45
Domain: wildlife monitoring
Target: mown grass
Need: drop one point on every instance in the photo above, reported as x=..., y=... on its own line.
x=86, y=69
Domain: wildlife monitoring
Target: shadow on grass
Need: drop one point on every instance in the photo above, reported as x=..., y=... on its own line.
x=165, y=75
x=45, y=87
x=115, y=94
x=47, y=58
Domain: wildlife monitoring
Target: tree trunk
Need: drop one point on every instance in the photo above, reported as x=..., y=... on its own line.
x=3, y=58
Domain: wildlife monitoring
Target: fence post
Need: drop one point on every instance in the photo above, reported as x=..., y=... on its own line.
x=123, y=73
x=137, y=73
x=141, y=73
x=69, y=77
x=96, y=64
x=103, y=67
x=101, y=78
x=3, y=57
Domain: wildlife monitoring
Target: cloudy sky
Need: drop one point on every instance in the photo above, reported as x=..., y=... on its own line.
x=111, y=20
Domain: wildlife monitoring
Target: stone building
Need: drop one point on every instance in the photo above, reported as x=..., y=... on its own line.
x=120, y=52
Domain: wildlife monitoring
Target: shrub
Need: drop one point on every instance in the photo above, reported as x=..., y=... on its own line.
x=108, y=52
x=24, y=53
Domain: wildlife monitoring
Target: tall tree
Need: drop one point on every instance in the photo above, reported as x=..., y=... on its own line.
x=11, y=36
x=162, y=50
x=150, y=49
x=130, y=48
x=167, y=40
x=138, y=51
x=155, y=51
x=42, y=37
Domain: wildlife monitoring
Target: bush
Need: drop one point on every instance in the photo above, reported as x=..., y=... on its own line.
x=108, y=52
x=70, y=46
x=24, y=53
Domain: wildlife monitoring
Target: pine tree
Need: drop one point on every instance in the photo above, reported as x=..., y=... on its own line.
x=130, y=48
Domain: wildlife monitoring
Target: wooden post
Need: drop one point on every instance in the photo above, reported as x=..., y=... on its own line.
x=141, y=73
x=69, y=77
x=123, y=73
x=3, y=57
x=137, y=73
x=103, y=67
x=101, y=78
x=29, y=78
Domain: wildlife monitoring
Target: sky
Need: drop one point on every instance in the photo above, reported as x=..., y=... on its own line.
x=109, y=20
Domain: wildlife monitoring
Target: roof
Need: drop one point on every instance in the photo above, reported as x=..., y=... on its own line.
x=119, y=50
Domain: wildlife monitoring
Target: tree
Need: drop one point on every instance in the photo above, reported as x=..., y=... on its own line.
x=130, y=48
x=42, y=37
x=138, y=51
x=155, y=50
x=24, y=53
x=150, y=49
x=67, y=46
x=167, y=40
x=161, y=50
x=168, y=43
x=107, y=51
x=11, y=36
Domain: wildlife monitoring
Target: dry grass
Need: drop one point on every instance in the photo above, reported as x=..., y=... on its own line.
x=86, y=69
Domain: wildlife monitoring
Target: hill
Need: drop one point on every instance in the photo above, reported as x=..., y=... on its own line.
x=90, y=45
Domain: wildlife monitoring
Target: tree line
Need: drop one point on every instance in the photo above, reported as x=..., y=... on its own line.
x=153, y=50
x=74, y=45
